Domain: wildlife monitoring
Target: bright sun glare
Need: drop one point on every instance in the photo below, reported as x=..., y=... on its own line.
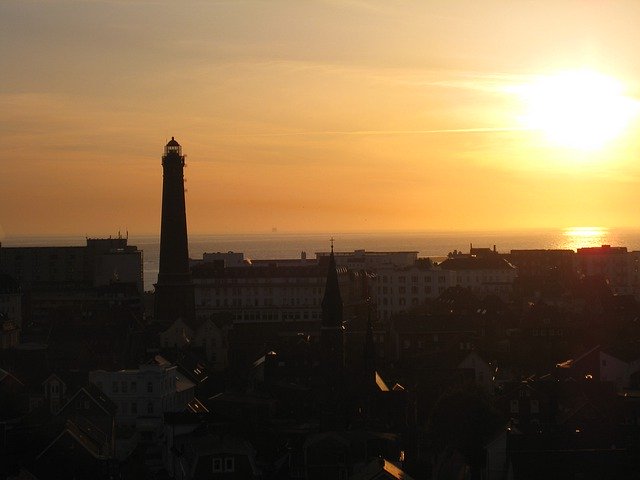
x=580, y=109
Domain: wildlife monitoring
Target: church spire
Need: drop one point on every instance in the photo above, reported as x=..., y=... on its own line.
x=332, y=350
x=332, y=300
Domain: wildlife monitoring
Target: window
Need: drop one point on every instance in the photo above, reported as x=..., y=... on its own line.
x=514, y=406
x=217, y=464
x=149, y=387
x=123, y=386
x=134, y=408
x=134, y=386
x=535, y=406
x=114, y=387
x=229, y=464
x=150, y=408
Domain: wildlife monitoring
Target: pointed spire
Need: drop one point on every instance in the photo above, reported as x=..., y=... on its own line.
x=332, y=300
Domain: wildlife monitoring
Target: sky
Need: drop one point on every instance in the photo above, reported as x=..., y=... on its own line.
x=315, y=116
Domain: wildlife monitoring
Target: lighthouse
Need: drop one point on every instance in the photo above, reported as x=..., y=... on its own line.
x=174, y=292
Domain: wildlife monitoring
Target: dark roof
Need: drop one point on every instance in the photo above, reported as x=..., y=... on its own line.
x=98, y=396
x=82, y=437
x=213, y=270
x=173, y=143
x=476, y=263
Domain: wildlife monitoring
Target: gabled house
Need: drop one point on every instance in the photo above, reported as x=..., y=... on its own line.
x=340, y=454
x=76, y=452
x=12, y=396
x=90, y=410
x=602, y=364
x=215, y=457
x=529, y=405
x=204, y=334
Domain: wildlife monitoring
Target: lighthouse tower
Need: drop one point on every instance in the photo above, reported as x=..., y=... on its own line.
x=174, y=292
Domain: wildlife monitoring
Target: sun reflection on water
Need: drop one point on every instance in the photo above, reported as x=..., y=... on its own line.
x=578, y=237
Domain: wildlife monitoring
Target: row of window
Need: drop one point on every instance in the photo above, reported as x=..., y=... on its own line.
x=125, y=387
x=248, y=302
x=534, y=406
x=274, y=316
x=132, y=408
x=414, y=279
x=223, y=465
x=414, y=289
x=272, y=280
x=402, y=301
x=256, y=290
x=406, y=343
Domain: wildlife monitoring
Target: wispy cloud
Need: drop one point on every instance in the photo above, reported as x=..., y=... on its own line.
x=379, y=132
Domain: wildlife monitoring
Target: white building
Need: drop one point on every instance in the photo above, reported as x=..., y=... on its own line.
x=486, y=275
x=273, y=291
x=372, y=261
x=399, y=289
x=616, y=264
x=144, y=394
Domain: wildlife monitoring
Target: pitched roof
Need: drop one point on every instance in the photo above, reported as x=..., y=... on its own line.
x=97, y=396
x=93, y=447
x=379, y=469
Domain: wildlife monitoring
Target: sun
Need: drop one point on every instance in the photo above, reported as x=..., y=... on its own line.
x=579, y=109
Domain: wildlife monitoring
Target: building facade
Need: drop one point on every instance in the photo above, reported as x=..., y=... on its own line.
x=144, y=394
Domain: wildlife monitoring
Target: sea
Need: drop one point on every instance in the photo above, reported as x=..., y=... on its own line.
x=435, y=245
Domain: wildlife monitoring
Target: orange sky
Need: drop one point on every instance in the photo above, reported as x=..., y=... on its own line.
x=318, y=116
